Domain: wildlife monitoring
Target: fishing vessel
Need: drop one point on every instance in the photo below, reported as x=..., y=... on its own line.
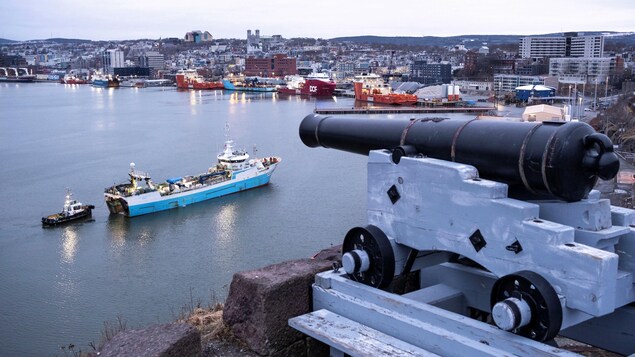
x=315, y=85
x=190, y=79
x=249, y=85
x=371, y=88
x=106, y=81
x=73, y=210
x=234, y=172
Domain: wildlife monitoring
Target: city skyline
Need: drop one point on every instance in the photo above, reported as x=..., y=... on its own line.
x=126, y=20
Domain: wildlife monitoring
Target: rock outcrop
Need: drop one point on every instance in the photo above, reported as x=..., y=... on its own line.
x=167, y=340
x=260, y=302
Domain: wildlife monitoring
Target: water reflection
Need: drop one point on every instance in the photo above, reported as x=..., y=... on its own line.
x=238, y=97
x=69, y=244
x=141, y=230
x=195, y=96
x=226, y=221
x=118, y=227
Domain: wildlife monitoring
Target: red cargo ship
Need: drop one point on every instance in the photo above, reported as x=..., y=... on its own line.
x=190, y=79
x=315, y=85
x=371, y=88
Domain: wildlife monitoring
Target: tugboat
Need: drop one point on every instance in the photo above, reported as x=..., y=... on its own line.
x=72, y=210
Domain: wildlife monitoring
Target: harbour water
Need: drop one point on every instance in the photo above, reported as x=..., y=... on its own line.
x=59, y=285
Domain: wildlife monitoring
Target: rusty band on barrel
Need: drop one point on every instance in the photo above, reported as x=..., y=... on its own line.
x=456, y=137
x=317, y=130
x=521, y=160
x=402, y=141
x=543, y=165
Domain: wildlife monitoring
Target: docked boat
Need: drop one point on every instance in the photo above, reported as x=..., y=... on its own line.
x=73, y=210
x=315, y=85
x=72, y=79
x=105, y=81
x=371, y=88
x=249, y=85
x=234, y=172
x=20, y=75
x=132, y=83
x=190, y=79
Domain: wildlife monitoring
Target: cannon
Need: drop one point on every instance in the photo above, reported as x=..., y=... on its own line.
x=496, y=220
x=557, y=159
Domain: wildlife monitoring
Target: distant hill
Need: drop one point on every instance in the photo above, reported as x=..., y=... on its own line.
x=56, y=40
x=470, y=41
x=65, y=40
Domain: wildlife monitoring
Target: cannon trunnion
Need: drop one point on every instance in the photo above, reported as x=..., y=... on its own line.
x=496, y=220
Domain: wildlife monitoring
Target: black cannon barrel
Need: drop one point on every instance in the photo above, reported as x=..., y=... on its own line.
x=548, y=159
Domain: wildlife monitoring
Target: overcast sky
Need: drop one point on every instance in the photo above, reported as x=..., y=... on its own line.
x=133, y=19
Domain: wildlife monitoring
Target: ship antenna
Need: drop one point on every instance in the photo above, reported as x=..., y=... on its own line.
x=255, y=151
x=227, y=131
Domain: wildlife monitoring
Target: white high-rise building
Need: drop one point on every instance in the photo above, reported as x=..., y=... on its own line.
x=567, y=45
x=112, y=59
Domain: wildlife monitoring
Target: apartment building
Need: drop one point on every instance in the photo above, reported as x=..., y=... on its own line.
x=430, y=73
x=581, y=70
x=570, y=44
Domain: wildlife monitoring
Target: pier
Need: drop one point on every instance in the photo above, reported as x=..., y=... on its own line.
x=399, y=110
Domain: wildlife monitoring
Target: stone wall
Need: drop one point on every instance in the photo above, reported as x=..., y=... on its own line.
x=260, y=302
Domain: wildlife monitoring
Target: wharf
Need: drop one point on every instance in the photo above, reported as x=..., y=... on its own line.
x=398, y=110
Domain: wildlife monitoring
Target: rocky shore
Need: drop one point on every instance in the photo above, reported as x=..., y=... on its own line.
x=252, y=322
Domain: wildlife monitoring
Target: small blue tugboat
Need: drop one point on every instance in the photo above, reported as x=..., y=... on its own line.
x=73, y=210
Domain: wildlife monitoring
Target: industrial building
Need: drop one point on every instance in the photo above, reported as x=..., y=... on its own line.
x=523, y=93
x=507, y=83
x=112, y=59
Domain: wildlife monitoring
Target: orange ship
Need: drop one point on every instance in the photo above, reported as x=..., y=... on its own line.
x=371, y=88
x=190, y=79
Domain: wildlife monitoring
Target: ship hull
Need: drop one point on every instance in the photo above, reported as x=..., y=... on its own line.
x=153, y=202
x=312, y=87
x=183, y=83
x=105, y=83
x=57, y=219
x=388, y=98
x=19, y=79
x=230, y=86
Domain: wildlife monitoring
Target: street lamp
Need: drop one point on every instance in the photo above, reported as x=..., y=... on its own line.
x=595, y=97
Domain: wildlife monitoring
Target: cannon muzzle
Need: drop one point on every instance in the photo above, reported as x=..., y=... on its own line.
x=539, y=159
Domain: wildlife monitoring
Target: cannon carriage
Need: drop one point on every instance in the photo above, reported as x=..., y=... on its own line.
x=496, y=220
